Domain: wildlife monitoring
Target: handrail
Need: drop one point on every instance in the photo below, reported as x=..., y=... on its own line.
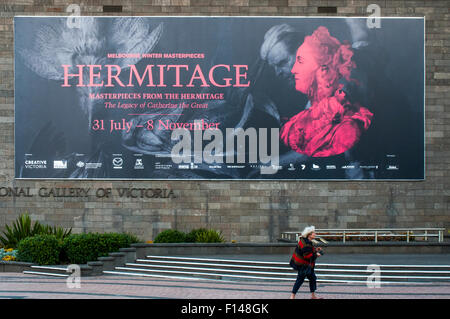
x=371, y=229
x=375, y=233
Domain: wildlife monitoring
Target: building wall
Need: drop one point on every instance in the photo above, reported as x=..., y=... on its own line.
x=254, y=211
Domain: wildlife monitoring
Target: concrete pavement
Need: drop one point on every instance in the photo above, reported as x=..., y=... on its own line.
x=17, y=285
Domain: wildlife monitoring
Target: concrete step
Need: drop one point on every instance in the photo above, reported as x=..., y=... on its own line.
x=218, y=261
x=280, y=271
x=248, y=270
x=54, y=270
x=154, y=275
x=123, y=271
x=445, y=270
x=253, y=275
x=43, y=273
x=229, y=278
x=282, y=264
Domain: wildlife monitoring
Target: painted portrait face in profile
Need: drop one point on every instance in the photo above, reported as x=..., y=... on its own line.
x=304, y=69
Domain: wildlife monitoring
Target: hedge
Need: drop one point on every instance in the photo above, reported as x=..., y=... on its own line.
x=200, y=235
x=81, y=248
x=171, y=236
x=39, y=249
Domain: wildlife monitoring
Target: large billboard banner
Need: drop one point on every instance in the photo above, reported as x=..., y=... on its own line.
x=283, y=98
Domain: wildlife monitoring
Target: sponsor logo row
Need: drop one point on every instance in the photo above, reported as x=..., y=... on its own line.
x=117, y=163
x=292, y=167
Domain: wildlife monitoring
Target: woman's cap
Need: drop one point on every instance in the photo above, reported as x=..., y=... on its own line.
x=308, y=230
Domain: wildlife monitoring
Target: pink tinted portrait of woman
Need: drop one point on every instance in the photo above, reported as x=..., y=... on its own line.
x=331, y=125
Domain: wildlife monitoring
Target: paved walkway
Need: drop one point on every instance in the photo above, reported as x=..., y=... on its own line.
x=17, y=285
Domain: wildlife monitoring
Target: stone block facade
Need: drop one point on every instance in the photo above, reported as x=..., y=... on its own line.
x=246, y=211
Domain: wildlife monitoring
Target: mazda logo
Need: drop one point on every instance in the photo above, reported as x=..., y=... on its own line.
x=117, y=161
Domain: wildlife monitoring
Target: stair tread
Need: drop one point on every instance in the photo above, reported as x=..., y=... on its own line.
x=246, y=270
x=44, y=273
x=150, y=257
x=317, y=269
x=293, y=275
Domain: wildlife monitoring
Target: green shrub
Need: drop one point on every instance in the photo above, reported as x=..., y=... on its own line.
x=59, y=232
x=131, y=238
x=20, y=229
x=81, y=248
x=39, y=249
x=210, y=236
x=170, y=236
x=23, y=228
x=191, y=237
x=199, y=235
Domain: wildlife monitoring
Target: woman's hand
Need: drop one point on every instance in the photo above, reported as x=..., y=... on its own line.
x=318, y=250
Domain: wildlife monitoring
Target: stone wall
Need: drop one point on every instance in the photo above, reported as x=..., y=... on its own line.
x=255, y=211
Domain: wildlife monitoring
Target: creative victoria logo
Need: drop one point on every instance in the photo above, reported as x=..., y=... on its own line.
x=35, y=164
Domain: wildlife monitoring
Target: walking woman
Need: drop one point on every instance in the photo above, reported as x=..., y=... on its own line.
x=303, y=260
